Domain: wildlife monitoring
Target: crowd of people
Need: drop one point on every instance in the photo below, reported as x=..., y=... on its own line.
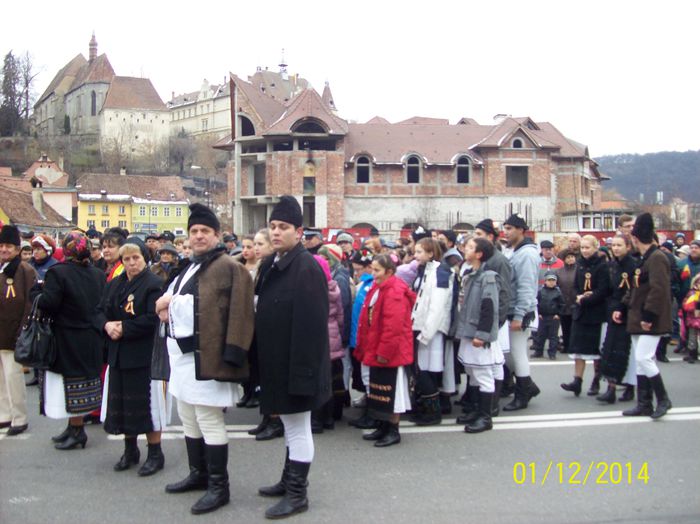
x=286, y=323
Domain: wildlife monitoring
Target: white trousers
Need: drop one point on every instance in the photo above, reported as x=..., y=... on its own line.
x=517, y=359
x=203, y=421
x=482, y=377
x=298, y=436
x=13, y=392
x=644, y=349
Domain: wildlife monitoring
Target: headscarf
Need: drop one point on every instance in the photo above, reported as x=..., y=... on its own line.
x=76, y=247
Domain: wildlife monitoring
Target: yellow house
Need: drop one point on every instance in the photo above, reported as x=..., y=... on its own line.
x=102, y=211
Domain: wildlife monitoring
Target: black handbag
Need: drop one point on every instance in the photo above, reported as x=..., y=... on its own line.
x=36, y=345
x=160, y=361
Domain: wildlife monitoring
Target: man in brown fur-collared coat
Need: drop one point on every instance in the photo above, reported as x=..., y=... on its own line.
x=208, y=307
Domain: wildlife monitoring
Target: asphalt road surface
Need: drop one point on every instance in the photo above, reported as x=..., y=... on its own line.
x=563, y=460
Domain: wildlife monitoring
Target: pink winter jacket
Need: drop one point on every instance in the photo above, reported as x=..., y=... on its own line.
x=335, y=320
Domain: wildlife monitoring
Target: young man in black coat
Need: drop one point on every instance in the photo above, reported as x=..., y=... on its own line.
x=291, y=324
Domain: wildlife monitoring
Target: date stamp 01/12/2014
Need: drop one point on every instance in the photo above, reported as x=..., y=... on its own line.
x=580, y=474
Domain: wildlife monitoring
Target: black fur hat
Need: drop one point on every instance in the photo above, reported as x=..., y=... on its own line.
x=201, y=214
x=287, y=210
x=643, y=228
x=486, y=225
x=10, y=235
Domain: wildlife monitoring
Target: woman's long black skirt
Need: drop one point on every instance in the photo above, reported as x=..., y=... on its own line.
x=615, y=352
x=129, y=402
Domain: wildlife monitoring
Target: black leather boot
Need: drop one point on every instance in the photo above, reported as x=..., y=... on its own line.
x=196, y=457
x=63, y=435
x=247, y=395
x=663, y=403
x=274, y=429
x=390, y=437
x=445, y=404
x=595, y=383
x=294, y=500
x=217, y=494
x=377, y=433
x=508, y=387
x=495, y=409
x=627, y=394
x=76, y=437
x=661, y=349
x=279, y=489
x=574, y=386
x=471, y=408
x=608, y=396
x=254, y=400
x=525, y=389
x=644, y=407
x=154, y=462
x=316, y=421
x=430, y=414
x=260, y=427
x=483, y=421
x=131, y=455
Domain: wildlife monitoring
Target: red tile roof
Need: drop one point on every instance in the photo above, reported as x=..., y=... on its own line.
x=127, y=92
x=69, y=71
x=377, y=120
x=424, y=120
x=160, y=187
x=5, y=171
x=307, y=105
x=267, y=108
x=19, y=207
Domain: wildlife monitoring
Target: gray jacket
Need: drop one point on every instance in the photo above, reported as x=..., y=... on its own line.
x=525, y=263
x=500, y=264
x=477, y=317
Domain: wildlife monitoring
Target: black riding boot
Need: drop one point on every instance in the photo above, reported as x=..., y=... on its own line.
x=196, y=457
x=644, y=407
x=483, y=421
x=525, y=389
x=627, y=394
x=131, y=455
x=217, y=494
x=294, y=500
x=445, y=404
x=663, y=403
x=661, y=349
x=471, y=408
x=495, y=409
x=279, y=489
x=508, y=387
x=154, y=462
x=573, y=386
x=430, y=414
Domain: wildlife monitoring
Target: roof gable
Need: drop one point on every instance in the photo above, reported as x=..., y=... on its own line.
x=266, y=109
x=47, y=172
x=100, y=70
x=64, y=78
x=308, y=105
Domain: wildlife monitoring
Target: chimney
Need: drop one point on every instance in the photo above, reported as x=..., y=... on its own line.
x=37, y=198
x=122, y=171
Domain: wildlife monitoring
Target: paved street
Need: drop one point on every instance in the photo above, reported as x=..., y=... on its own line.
x=437, y=474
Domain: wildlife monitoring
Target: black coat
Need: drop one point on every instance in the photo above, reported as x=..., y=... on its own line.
x=134, y=349
x=592, y=309
x=550, y=301
x=71, y=294
x=621, y=279
x=291, y=326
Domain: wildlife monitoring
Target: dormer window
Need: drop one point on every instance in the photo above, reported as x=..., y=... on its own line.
x=464, y=168
x=362, y=170
x=413, y=170
x=517, y=143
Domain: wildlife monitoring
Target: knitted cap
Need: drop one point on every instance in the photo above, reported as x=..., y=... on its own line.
x=516, y=220
x=486, y=225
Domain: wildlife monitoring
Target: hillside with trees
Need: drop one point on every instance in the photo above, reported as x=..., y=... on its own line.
x=676, y=174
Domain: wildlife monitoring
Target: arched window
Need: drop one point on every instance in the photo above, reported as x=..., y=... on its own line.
x=93, y=103
x=309, y=126
x=517, y=143
x=362, y=169
x=463, y=170
x=247, y=128
x=413, y=169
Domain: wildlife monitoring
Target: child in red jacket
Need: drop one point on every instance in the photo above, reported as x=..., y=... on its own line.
x=691, y=319
x=385, y=344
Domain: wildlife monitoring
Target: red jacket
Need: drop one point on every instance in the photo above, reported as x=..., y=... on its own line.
x=390, y=334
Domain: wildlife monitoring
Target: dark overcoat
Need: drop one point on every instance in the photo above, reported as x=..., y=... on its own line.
x=15, y=302
x=291, y=325
x=650, y=297
x=133, y=302
x=71, y=294
x=591, y=275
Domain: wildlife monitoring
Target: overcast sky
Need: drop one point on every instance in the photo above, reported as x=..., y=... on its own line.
x=619, y=76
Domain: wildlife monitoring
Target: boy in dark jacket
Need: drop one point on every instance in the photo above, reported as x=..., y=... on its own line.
x=550, y=304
